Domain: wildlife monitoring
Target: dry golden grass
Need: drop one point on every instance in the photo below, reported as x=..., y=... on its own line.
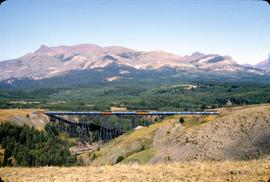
x=6, y=114
x=23, y=117
x=189, y=171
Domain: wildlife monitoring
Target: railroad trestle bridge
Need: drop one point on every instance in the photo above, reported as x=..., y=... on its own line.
x=89, y=126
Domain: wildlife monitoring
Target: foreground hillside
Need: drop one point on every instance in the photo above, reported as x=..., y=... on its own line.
x=240, y=133
x=256, y=170
x=231, y=147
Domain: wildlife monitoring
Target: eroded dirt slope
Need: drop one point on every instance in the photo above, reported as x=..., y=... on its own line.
x=242, y=134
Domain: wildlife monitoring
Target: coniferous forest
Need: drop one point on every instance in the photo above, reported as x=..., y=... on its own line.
x=25, y=146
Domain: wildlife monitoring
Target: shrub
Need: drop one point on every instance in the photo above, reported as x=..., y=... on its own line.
x=119, y=159
x=168, y=158
x=181, y=120
x=94, y=156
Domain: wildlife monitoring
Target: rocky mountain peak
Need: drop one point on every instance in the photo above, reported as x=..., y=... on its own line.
x=42, y=49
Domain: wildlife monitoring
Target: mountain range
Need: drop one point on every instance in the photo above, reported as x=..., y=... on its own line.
x=119, y=63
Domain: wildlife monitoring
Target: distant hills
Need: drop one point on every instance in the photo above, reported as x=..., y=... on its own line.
x=96, y=63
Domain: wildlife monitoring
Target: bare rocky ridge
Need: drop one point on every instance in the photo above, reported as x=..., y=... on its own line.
x=53, y=61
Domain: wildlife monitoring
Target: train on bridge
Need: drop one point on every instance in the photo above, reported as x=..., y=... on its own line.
x=127, y=113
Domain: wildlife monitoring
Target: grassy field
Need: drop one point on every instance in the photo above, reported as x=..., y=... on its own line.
x=7, y=114
x=257, y=170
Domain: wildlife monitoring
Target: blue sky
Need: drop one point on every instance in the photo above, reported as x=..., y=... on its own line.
x=240, y=28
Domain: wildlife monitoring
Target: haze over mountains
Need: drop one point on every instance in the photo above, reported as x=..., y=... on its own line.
x=48, y=62
x=265, y=65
